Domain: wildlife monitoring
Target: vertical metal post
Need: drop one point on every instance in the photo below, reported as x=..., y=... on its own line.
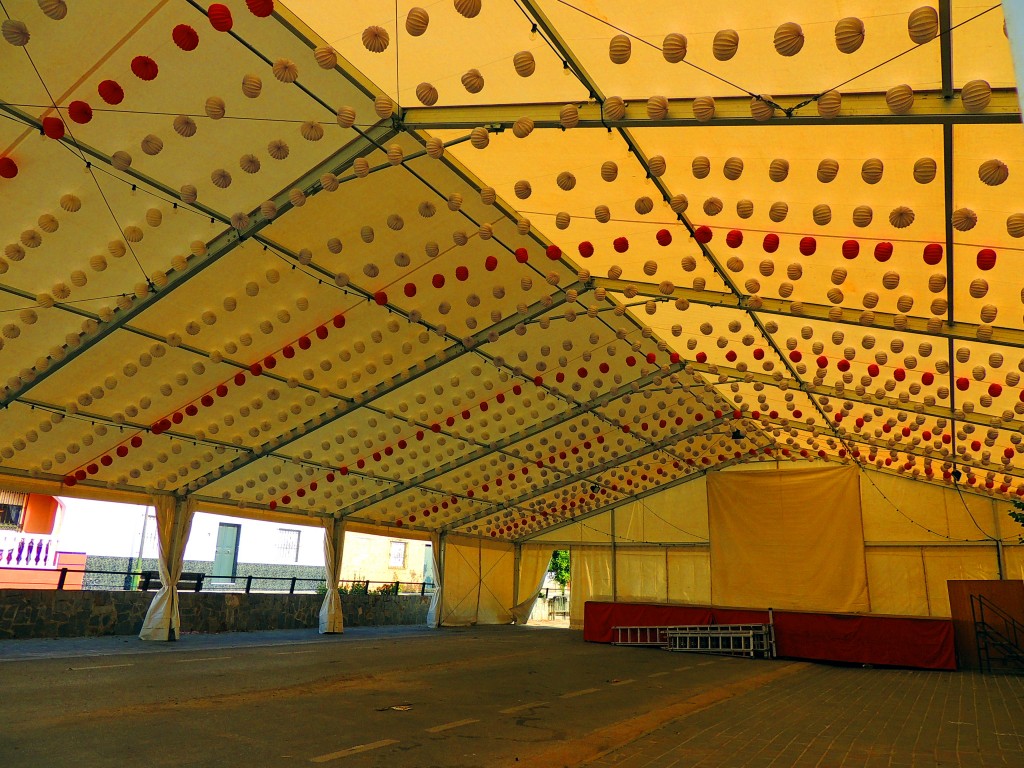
x=61, y=579
x=517, y=563
x=199, y=582
x=248, y=584
x=998, y=538
x=291, y=589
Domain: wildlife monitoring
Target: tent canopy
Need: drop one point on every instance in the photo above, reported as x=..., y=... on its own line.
x=445, y=287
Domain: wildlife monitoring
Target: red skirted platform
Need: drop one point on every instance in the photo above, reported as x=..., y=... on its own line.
x=898, y=641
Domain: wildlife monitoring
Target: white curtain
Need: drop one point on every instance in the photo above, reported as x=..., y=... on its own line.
x=533, y=567
x=433, y=611
x=173, y=523
x=331, y=619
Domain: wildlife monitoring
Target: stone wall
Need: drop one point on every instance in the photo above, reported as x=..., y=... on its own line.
x=44, y=613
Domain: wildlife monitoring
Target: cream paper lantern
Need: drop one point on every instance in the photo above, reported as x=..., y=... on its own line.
x=15, y=32
x=964, y=219
x=828, y=169
x=416, y=21
x=619, y=49
x=602, y=214
x=297, y=197
x=725, y=44
x=657, y=108
x=121, y=160
x=673, y=48
x=384, y=106
x=703, y=108
x=643, y=205
x=900, y=99
x=978, y=288
x=434, y=147
x=249, y=163
x=923, y=24
x=346, y=117
x=268, y=209
x=778, y=170
x=1015, y=225
x=329, y=182
x=566, y=181
x=221, y=178
x=789, y=39
x=326, y=57
x=215, y=108
x=395, y=154
x=522, y=127
x=937, y=283
x=366, y=233
x=311, y=130
x=569, y=116
x=479, y=137
x=427, y=94
x=188, y=193
x=829, y=104
x=184, y=126
x=976, y=95
x=154, y=217
x=871, y=171
x=849, y=34
x=70, y=203
x=657, y=166
x=609, y=170
x=901, y=217
x=822, y=214
x=454, y=201
x=334, y=245
x=252, y=86
x=278, y=149
x=744, y=208
x=993, y=172
x=375, y=39
x=48, y=223
x=79, y=279
x=713, y=206
x=678, y=203
x=468, y=8
x=285, y=70
x=778, y=211
x=732, y=168
x=613, y=109
x=152, y=145
x=562, y=220
x=701, y=167
x=473, y=81
x=760, y=108
x=924, y=170
x=524, y=63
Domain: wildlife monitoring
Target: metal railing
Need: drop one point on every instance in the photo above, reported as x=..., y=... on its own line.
x=998, y=649
x=149, y=580
x=27, y=550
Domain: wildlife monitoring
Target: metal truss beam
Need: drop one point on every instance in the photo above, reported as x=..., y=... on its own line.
x=931, y=107
x=595, y=470
x=948, y=328
x=398, y=380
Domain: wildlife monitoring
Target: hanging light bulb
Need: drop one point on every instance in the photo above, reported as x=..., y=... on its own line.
x=533, y=32
x=565, y=68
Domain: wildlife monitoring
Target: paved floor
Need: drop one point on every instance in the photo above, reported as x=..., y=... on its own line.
x=489, y=696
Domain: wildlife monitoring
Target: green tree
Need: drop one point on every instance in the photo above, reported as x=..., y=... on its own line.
x=559, y=567
x=1018, y=515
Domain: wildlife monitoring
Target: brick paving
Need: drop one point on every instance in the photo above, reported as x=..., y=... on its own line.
x=846, y=717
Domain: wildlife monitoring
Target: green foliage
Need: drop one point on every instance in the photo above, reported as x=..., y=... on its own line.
x=559, y=566
x=1018, y=515
x=387, y=589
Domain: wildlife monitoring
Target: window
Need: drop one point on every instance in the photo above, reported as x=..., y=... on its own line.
x=397, y=559
x=288, y=544
x=11, y=506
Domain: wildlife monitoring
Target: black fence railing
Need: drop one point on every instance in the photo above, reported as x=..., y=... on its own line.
x=149, y=581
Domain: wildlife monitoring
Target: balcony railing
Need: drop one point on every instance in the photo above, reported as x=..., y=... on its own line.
x=27, y=550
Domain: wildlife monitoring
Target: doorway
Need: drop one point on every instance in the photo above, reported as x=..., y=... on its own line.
x=225, y=557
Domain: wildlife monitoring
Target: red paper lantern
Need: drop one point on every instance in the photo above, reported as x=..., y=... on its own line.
x=731, y=356
x=111, y=92
x=437, y=281
x=381, y=298
x=873, y=370
x=883, y=251
x=177, y=417
x=822, y=361
x=899, y=374
x=222, y=390
x=338, y=321
x=136, y=441
x=554, y=252
x=144, y=68
x=304, y=343
x=932, y=254
x=206, y=400
x=986, y=259
x=122, y=451
x=8, y=168
x=239, y=379
x=288, y=351
x=758, y=354
x=80, y=112
x=701, y=357
x=491, y=263
x=771, y=243
x=703, y=234
x=620, y=244
x=322, y=332
x=260, y=8
x=220, y=17
x=106, y=460
x=995, y=389
x=185, y=37
x=586, y=249
x=664, y=237
x=462, y=274
x=255, y=369
x=522, y=256
x=808, y=245
x=70, y=481
x=734, y=239
x=851, y=249
x=963, y=383
x=796, y=356
x=270, y=362
x=53, y=127
x=410, y=290
x=927, y=378
x=843, y=365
